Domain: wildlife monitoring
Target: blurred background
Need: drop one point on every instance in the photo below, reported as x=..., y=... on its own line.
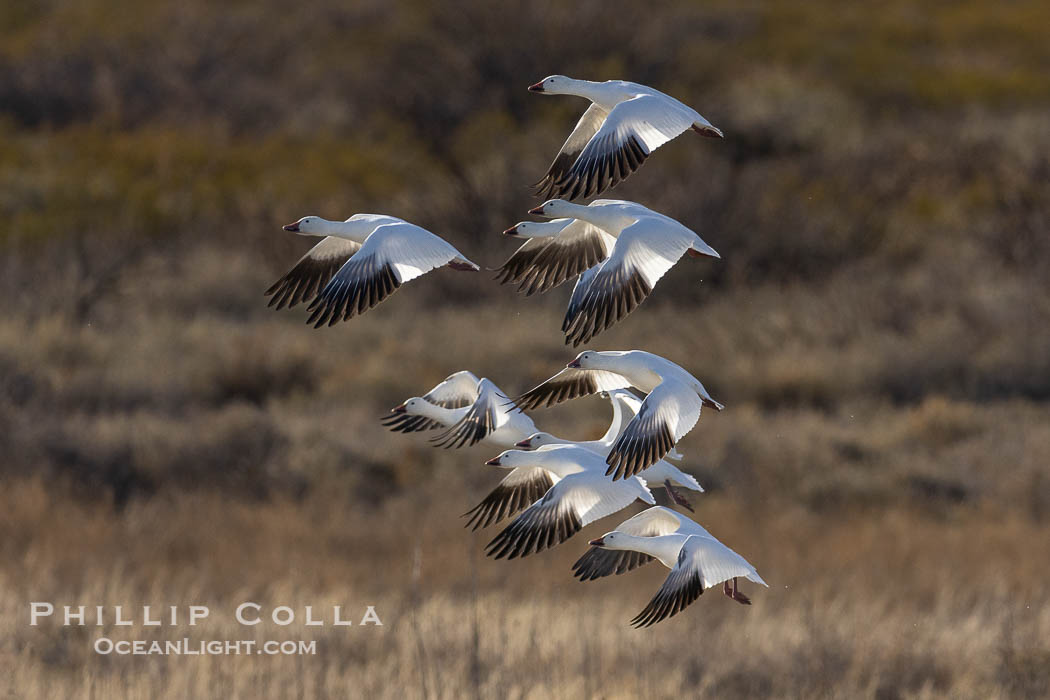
x=879, y=328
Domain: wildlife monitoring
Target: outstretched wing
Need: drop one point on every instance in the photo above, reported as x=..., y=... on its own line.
x=312, y=272
x=455, y=391
x=667, y=413
x=393, y=254
x=583, y=131
x=632, y=130
x=578, y=247
x=644, y=252
x=487, y=413
x=575, y=501
x=681, y=587
x=518, y=489
x=570, y=384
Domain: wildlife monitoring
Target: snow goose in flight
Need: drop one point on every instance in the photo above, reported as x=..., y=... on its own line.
x=625, y=406
x=375, y=254
x=647, y=245
x=696, y=559
x=472, y=410
x=458, y=390
x=554, y=252
x=624, y=124
x=582, y=495
x=669, y=411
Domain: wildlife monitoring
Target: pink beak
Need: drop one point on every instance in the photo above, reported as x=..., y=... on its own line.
x=575, y=364
x=294, y=228
x=597, y=543
x=538, y=211
x=513, y=230
x=537, y=87
x=494, y=462
x=399, y=409
x=524, y=443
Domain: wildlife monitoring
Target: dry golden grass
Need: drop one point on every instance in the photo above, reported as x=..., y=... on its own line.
x=862, y=604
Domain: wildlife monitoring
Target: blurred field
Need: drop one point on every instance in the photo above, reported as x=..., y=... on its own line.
x=879, y=328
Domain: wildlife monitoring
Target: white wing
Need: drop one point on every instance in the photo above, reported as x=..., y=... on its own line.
x=487, y=413
x=552, y=261
x=575, y=501
x=570, y=384
x=667, y=414
x=632, y=130
x=644, y=252
x=583, y=131
x=312, y=272
x=393, y=254
x=455, y=391
x=717, y=562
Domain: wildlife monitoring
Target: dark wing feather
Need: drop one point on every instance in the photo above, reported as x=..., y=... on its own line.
x=598, y=562
x=681, y=588
x=311, y=273
x=644, y=442
x=508, y=498
x=545, y=524
x=569, y=384
x=358, y=286
x=614, y=292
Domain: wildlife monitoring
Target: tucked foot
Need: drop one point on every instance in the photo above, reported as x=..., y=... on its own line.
x=731, y=591
x=676, y=496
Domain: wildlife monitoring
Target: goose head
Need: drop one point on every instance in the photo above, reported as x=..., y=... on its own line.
x=514, y=458
x=588, y=359
x=610, y=540
x=555, y=208
x=413, y=407
x=308, y=226
x=553, y=85
x=531, y=229
x=538, y=440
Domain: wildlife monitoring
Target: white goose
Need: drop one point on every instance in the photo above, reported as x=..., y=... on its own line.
x=360, y=262
x=696, y=559
x=582, y=495
x=647, y=245
x=473, y=410
x=624, y=124
x=555, y=251
x=669, y=411
x=625, y=406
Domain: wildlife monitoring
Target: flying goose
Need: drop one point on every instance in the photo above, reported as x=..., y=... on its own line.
x=555, y=251
x=582, y=495
x=624, y=124
x=359, y=263
x=471, y=409
x=669, y=411
x=696, y=559
x=626, y=406
x=457, y=390
x=647, y=245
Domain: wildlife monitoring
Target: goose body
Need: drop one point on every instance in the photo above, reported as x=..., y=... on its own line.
x=625, y=406
x=697, y=560
x=646, y=245
x=670, y=409
x=582, y=495
x=359, y=263
x=624, y=124
x=472, y=410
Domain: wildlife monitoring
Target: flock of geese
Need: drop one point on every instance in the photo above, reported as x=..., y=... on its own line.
x=616, y=251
